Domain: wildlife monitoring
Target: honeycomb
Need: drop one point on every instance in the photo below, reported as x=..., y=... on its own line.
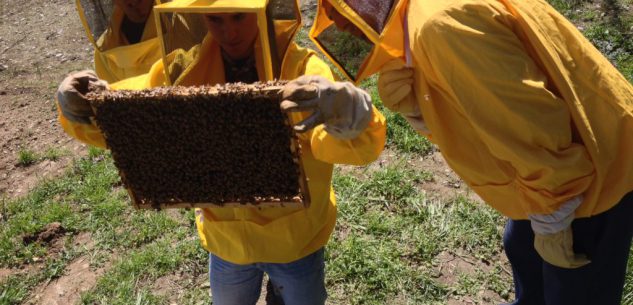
x=227, y=145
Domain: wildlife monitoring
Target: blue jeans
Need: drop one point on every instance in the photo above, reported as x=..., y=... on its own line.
x=604, y=238
x=299, y=282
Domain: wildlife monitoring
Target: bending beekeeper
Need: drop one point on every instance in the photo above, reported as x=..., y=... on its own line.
x=241, y=44
x=530, y=115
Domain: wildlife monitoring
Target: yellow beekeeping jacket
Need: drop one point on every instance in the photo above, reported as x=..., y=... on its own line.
x=116, y=59
x=278, y=235
x=521, y=105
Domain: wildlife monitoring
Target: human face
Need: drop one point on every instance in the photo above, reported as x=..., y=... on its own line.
x=341, y=22
x=235, y=32
x=136, y=11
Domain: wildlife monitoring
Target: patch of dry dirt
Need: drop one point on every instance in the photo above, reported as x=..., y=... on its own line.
x=50, y=234
x=449, y=268
x=78, y=277
x=24, y=269
x=53, y=236
x=175, y=285
x=444, y=185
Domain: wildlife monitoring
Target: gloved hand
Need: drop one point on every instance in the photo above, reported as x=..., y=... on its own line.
x=553, y=237
x=394, y=88
x=344, y=109
x=71, y=95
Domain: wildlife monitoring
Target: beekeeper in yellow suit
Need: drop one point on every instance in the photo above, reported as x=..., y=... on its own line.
x=530, y=115
x=286, y=243
x=124, y=36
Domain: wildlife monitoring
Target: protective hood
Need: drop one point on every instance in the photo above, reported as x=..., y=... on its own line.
x=277, y=22
x=102, y=20
x=382, y=24
x=115, y=58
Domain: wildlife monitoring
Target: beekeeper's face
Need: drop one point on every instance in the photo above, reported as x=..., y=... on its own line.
x=235, y=32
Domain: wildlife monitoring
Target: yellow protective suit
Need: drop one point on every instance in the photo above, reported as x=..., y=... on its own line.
x=116, y=59
x=276, y=235
x=521, y=105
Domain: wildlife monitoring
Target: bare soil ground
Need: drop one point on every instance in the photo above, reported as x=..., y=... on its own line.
x=40, y=41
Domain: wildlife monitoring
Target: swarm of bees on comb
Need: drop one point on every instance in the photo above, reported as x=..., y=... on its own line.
x=210, y=146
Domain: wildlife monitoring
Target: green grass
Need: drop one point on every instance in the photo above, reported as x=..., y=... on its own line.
x=88, y=199
x=393, y=237
x=608, y=26
x=120, y=285
x=27, y=157
x=627, y=298
x=389, y=235
x=53, y=154
x=16, y=288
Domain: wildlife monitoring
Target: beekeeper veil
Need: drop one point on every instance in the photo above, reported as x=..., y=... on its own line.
x=353, y=34
x=277, y=22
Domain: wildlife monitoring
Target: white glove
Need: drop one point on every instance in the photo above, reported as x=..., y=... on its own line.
x=343, y=109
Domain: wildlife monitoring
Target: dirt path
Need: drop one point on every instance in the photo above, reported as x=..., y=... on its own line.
x=40, y=41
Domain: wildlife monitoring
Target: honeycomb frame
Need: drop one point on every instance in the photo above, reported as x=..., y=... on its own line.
x=108, y=104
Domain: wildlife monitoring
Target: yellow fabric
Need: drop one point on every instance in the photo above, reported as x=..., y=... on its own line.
x=215, y=6
x=88, y=134
x=113, y=36
x=395, y=88
x=521, y=105
x=116, y=59
x=279, y=235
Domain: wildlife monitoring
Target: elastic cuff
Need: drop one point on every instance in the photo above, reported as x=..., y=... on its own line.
x=557, y=221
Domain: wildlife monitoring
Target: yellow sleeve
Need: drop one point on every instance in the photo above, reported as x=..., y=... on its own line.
x=86, y=133
x=359, y=151
x=484, y=70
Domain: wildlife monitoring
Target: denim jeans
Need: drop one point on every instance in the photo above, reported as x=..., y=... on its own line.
x=299, y=282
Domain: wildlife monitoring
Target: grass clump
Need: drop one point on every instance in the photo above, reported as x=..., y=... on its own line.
x=26, y=157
